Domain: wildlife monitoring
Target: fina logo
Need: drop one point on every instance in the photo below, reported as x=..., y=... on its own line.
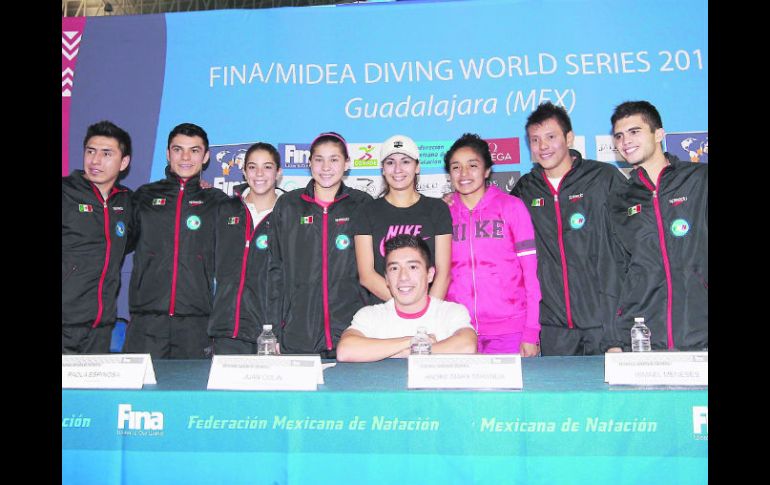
x=139, y=420
x=700, y=422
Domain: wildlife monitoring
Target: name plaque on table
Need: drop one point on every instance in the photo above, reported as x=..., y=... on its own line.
x=460, y=371
x=657, y=368
x=106, y=371
x=265, y=373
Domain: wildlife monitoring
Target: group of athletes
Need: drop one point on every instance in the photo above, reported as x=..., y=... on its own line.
x=560, y=266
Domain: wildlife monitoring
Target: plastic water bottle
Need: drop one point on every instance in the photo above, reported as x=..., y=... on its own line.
x=266, y=342
x=421, y=344
x=640, y=336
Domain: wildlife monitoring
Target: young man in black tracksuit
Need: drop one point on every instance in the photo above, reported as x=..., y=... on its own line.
x=243, y=235
x=314, y=254
x=567, y=199
x=660, y=219
x=95, y=215
x=171, y=286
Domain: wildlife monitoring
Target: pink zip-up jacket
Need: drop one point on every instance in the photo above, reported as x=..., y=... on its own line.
x=494, y=265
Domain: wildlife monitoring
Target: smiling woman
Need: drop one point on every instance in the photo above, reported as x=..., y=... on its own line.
x=401, y=210
x=312, y=255
x=494, y=266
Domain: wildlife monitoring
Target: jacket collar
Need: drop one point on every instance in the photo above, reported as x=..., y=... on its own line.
x=192, y=182
x=674, y=164
x=80, y=180
x=310, y=190
x=490, y=194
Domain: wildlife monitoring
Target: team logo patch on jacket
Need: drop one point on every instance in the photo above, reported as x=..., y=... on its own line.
x=193, y=223
x=120, y=229
x=680, y=227
x=677, y=201
x=577, y=220
x=233, y=221
x=117, y=209
x=194, y=203
x=634, y=210
x=538, y=202
x=306, y=220
x=341, y=220
x=262, y=241
x=342, y=242
x=158, y=201
x=85, y=208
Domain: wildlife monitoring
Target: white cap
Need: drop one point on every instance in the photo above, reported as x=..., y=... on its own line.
x=267, y=327
x=399, y=144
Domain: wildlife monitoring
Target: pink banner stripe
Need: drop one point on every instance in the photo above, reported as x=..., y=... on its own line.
x=71, y=36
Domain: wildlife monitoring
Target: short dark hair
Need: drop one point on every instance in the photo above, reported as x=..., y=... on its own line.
x=475, y=143
x=645, y=109
x=330, y=137
x=191, y=130
x=110, y=130
x=408, y=241
x=267, y=147
x=545, y=112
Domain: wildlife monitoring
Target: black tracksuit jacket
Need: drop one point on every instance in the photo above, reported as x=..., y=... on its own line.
x=173, y=272
x=242, y=263
x=314, y=254
x=662, y=227
x=94, y=240
x=576, y=267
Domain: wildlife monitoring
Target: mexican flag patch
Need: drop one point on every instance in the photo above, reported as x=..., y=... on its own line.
x=634, y=210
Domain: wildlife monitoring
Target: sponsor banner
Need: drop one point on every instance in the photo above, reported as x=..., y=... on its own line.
x=504, y=150
x=606, y=152
x=434, y=185
x=504, y=180
x=692, y=146
x=226, y=166
x=659, y=423
x=432, y=152
x=295, y=155
x=371, y=184
x=293, y=182
x=291, y=90
x=364, y=155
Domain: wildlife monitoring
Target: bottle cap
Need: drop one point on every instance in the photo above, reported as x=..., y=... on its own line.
x=267, y=327
x=639, y=320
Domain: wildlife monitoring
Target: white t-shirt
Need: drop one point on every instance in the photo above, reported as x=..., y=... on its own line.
x=256, y=216
x=441, y=318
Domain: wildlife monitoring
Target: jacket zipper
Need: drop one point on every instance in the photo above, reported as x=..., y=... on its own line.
x=180, y=196
x=249, y=233
x=325, y=264
x=471, y=235
x=562, y=252
x=664, y=255
x=100, y=288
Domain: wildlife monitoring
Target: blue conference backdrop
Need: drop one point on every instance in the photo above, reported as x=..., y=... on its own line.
x=429, y=70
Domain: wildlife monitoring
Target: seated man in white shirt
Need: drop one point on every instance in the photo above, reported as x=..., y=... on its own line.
x=385, y=330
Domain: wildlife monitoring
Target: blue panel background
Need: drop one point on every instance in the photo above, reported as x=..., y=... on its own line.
x=399, y=32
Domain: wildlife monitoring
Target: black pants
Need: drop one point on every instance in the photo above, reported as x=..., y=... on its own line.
x=82, y=339
x=570, y=341
x=165, y=337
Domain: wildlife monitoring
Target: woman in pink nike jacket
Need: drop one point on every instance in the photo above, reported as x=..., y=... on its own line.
x=494, y=262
